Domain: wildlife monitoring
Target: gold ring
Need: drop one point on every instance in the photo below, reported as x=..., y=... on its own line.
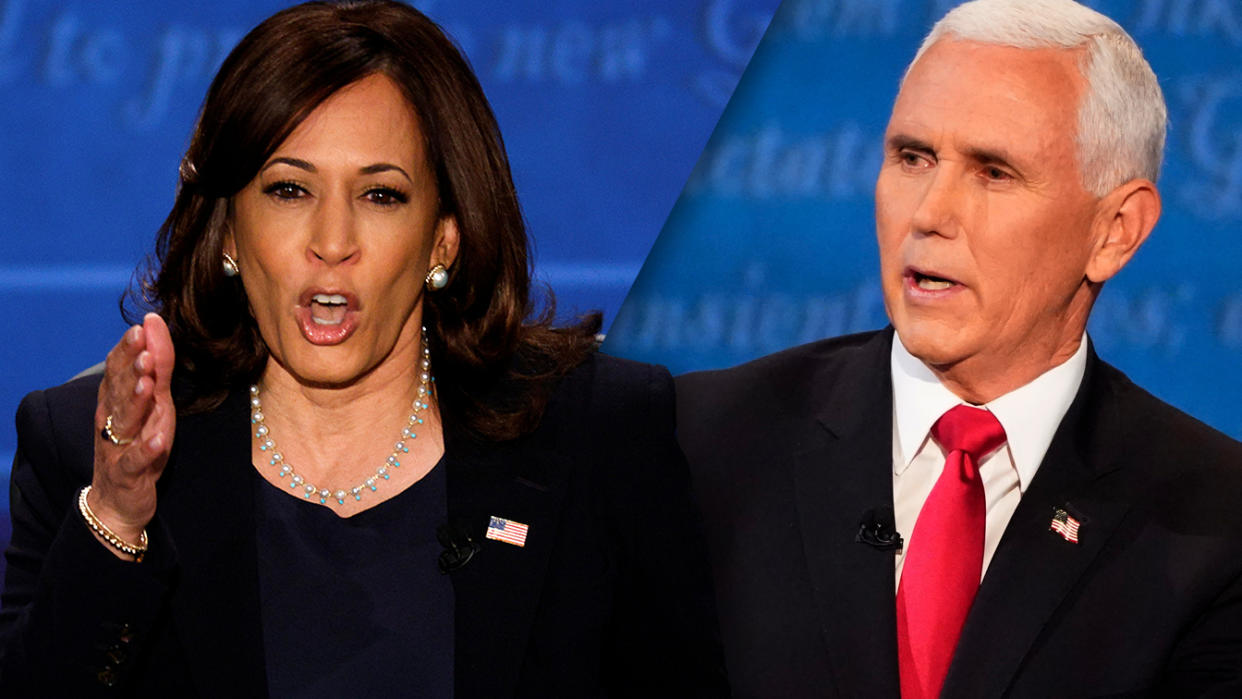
x=107, y=434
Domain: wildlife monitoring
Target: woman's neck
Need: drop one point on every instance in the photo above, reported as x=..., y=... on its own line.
x=339, y=435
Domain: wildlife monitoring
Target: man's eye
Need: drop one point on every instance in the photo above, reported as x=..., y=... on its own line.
x=995, y=173
x=386, y=196
x=913, y=159
x=285, y=190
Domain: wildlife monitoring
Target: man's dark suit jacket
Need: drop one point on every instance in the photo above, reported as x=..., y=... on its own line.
x=609, y=597
x=788, y=452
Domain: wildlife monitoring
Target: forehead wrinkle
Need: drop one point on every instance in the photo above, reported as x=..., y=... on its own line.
x=1016, y=105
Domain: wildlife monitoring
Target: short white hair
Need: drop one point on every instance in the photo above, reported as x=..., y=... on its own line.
x=1122, y=118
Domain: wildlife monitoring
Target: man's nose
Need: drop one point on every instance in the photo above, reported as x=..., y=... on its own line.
x=939, y=209
x=333, y=237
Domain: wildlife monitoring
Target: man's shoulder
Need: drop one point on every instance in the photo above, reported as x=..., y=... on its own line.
x=1162, y=433
x=782, y=372
x=773, y=398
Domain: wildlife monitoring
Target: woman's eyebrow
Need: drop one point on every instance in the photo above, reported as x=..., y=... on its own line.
x=294, y=162
x=366, y=170
x=384, y=167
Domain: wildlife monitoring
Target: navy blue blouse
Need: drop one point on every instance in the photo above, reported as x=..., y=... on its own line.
x=355, y=606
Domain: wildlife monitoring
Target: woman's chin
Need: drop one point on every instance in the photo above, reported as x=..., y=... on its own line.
x=319, y=371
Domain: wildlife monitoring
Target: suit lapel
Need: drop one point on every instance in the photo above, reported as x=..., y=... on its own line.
x=497, y=591
x=208, y=506
x=846, y=470
x=1034, y=568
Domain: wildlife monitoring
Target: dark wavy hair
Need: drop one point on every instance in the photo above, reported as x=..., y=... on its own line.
x=494, y=363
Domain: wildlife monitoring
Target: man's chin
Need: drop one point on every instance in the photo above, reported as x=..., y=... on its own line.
x=932, y=343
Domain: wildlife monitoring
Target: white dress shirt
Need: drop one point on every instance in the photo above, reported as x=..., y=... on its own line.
x=1030, y=415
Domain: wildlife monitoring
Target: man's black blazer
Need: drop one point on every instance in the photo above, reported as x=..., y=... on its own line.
x=789, y=452
x=609, y=597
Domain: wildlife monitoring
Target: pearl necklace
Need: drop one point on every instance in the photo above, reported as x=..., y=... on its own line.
x=263, y=435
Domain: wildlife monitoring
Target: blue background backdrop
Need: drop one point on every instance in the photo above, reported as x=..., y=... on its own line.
x=604, y=105
x=772, y=242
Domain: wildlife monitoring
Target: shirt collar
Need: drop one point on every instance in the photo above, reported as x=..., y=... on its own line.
x=1030, y=414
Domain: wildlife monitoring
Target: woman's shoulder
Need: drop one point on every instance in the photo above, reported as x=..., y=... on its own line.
x=606, y=372
x=60, y=407
x=604, y=386
x=56, y=426
x=612, y=423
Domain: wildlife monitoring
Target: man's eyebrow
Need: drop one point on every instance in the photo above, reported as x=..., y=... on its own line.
x=900, y=141
x=995, y=157
x=980, y=154
x=990, y=156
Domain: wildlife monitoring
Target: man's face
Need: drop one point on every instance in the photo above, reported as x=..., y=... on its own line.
x=983, y=223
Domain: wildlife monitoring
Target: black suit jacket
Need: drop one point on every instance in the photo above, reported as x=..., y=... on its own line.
x=609, y=597
x=790, y=451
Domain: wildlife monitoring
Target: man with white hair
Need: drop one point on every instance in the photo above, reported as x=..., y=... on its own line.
x=971, y=503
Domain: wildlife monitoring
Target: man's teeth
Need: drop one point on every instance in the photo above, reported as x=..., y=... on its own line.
x=929, y=284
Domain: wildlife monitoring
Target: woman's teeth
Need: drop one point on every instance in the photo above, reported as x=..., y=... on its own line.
x=328, y=309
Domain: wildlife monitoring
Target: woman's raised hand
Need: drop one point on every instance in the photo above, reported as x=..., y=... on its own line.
x=136, y=395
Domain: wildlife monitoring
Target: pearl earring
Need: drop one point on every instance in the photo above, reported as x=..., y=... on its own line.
x=437, y=278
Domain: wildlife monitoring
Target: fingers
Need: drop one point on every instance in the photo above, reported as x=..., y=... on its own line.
x=138, y=377
x=155, y=437
x=127, y=386
x=158, y=431
x=159, y=345
x=136, y=393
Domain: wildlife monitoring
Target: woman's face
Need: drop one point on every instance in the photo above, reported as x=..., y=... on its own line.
x=335, y=235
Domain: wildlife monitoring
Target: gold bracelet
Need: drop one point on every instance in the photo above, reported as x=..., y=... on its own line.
x=106, y=534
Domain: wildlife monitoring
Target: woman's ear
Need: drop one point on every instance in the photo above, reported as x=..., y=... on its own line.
x=229, y=244
x=444, y=251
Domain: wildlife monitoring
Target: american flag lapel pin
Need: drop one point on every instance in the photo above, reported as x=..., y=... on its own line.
x=506, y=530
x=1065, y=525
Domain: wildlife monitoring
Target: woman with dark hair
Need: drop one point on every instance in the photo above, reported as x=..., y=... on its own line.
x=337, y=459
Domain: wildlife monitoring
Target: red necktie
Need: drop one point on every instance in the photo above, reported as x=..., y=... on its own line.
x=941, y=571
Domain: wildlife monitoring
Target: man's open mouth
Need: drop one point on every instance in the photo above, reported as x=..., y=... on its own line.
x=930, y=282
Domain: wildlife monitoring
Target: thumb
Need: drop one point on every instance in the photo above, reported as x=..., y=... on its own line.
x=159, y=344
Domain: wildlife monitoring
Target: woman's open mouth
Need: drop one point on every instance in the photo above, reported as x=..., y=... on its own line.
x=327, y=317
x=328, y=309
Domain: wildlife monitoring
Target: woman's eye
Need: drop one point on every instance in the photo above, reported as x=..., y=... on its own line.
x=386, y=196
x=285, y=190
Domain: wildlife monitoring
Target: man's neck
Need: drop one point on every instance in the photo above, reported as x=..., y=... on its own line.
x=977, y=381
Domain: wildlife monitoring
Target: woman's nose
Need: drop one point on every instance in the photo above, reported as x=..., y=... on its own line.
x=333, y=237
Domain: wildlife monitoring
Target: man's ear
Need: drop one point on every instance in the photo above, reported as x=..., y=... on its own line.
x=444, y=251
x=1126, y=217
